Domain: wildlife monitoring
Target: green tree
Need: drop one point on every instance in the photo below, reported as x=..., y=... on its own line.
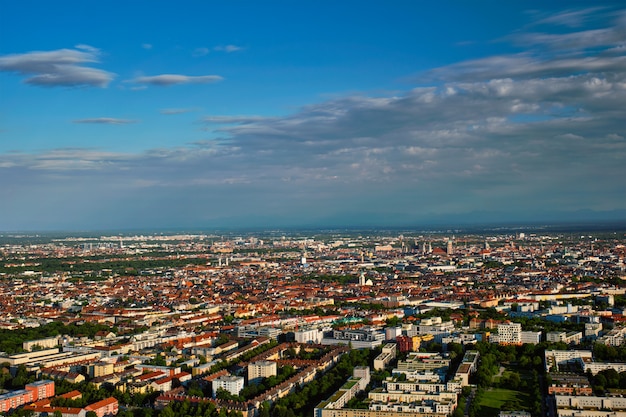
x=167, y=412
x=264, y=410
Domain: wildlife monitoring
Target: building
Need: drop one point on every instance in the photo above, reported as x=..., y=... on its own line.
x=509, y=334
x=516, y=413
x=597, y=367
x=41, y=389
x=50, y=342
x=569, y=384
x=566, y=337
x=231, y=383
x=408, y=343
x=100, y=369
x=358, y=339
x=615, y=337
x=588, y=402
x=32, y=392
x=436, y=327
x=417, y=361
x=261, y=369
x=362, y=374
x=386, y=356
x=391, y=333
x=358, y=382
x=532, y=338
x=450, y=247
x=162, y=384
x=555, y=359
x=308, y=336
x=467, y=367
x=105, y=408
x=395, y=399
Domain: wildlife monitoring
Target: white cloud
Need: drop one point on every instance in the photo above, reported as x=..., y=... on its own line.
x=549, y=54
x=165, y=80
x=146, y=46
x=105, y=120
x=228, y=48
x=67, y=159
x=62, y=67
x=519, y=132
x=176, y=111
x=572, y=18
x=570, y=136
x=87, y=48
x=233, y=119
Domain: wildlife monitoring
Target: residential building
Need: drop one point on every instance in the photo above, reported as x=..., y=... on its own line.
x=261, y=369
x=230, y=383
x=509, y=334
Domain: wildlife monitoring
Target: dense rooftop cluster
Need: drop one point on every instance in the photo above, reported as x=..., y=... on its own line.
x=212, y=304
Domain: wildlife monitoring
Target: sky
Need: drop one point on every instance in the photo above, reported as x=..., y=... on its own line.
x=202, y=114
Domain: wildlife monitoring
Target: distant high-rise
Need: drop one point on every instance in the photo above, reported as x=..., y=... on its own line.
x=450, y=247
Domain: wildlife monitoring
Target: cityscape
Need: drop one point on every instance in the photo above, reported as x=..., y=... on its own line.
x=321, y=208
x=333, y=323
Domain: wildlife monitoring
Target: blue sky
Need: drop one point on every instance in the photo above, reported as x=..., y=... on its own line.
x=191, y=114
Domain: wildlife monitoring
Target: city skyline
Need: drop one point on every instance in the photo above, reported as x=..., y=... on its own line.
x=200, y=115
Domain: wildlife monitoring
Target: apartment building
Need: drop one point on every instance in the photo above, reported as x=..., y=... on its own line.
x=31, y=392
x=386, y=356
x=230, y=383
x=509, y=334
x=261, y=369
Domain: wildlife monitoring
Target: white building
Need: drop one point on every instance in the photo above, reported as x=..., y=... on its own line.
x=530, y=337
x=436, y=327
x=510, y=334
x=309, y=336
x=231, y=383
x=392, y=332
x=566, y=337
x=556, y=358
x=586, y=402
x=596, y=367
x=359, y=338
x=362, y=374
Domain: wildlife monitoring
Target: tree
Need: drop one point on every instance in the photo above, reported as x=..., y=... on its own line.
x=167, y=412
x=455, y=348
x=264, y=410
x=513, y=381
x=159, y=360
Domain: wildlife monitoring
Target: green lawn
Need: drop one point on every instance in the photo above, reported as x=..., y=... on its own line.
x=493, y=400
